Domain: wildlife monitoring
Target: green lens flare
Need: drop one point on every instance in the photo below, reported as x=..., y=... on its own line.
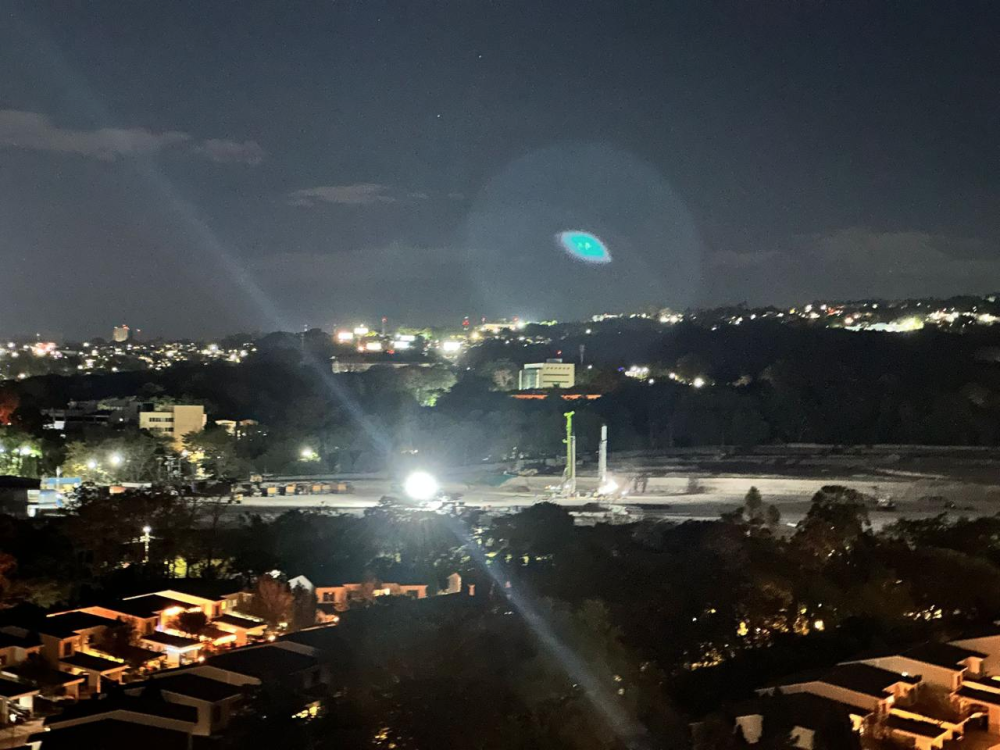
x=584, y=246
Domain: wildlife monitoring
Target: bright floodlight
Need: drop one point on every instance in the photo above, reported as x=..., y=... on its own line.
x=116, y=459
x=308, y=454
x=609, y=487
x=91, y=464
x=147, y=529
x=421, y=486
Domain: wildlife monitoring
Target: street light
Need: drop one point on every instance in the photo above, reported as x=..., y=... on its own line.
x=308, y=454
x=421, y=486
x=116, y=459
x=91, y=463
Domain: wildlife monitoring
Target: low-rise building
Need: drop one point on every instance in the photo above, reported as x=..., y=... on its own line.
x=175, y=421
x=861, y=685
x=214, y=700
x=553, y=373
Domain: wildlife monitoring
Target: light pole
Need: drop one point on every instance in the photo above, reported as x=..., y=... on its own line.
x=569, y=486
x=145, y=539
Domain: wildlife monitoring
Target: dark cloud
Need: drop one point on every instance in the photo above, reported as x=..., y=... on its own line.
x=36, y=132
x=856, y=263
x=356, y=194
x=223, y=151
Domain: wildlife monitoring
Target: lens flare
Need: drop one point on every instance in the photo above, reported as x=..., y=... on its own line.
x=584, y=246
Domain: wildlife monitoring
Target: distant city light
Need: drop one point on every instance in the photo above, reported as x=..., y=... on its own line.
x=361, y=331
x=450, y=347
x=373, y=346
x=345, y=336
x=698, y=382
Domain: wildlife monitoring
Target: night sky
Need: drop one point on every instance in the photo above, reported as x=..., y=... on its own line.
x=196, y=168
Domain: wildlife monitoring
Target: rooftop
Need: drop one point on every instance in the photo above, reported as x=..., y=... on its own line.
x=43, y=675
x=71, y=623
x=861, y=678
x=942, y=654
x=29, y=640
x=195, y=686
x=325, y=638
x=802, y=709
x=8, y=482
x=915, y=726
x=170, y=640
x=148, y=605
x=111, y=734
x=150, y=705
x=263, y=662
x=12, y=689
x=91, y=662
x=135, y=654
x=202, y=587
x=239, y=621
x=971, y=692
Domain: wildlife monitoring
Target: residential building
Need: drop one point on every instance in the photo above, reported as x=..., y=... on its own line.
x=214, y=598
x=17, y=701
x=342, y=595
x=107, y=722
x=238, y=428
x=276, y=664
x=213, y=700
x=243, y=627
x=553, y=373
x=146, y=613
x=16, y=494
x=174, y=421
x=941, y=664
x=860, y=685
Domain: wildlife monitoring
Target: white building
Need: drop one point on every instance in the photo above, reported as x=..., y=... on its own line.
x=174, y=421
x=552, y=373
